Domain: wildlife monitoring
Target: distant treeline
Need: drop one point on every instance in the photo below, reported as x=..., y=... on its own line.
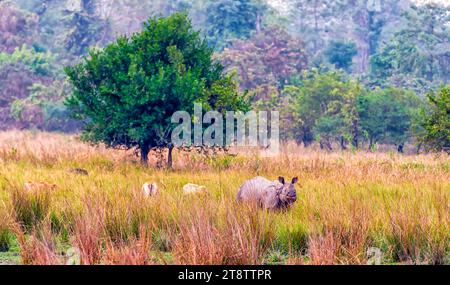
x=341, y=72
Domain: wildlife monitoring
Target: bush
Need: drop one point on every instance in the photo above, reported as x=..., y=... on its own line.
x=437, y=124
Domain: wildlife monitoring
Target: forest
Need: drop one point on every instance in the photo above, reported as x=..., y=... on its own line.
x=344, y=74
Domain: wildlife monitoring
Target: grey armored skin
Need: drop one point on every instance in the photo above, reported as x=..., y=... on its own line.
x=271, y=195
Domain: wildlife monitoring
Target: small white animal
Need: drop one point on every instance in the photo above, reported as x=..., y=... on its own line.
x=150, y=189
x=190, y=189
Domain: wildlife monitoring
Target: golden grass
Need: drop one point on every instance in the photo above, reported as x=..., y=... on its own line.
x=5, y=227
x=348, y=202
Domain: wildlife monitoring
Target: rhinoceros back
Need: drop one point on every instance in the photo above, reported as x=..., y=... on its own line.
x=254, y=189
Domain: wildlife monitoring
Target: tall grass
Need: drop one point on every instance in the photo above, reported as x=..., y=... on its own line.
x=206, y=237
x=39, y=247
x=136, y=251
x=30, y=208
x=347, y=203
x=5, y=228
x=342, y=237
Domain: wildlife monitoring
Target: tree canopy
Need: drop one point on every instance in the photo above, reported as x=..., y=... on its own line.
x=230, y=19
x=127, y=92
x=341, y=54
x=437, y=124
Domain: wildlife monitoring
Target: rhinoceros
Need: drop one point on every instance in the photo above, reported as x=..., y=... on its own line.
x=272, y=195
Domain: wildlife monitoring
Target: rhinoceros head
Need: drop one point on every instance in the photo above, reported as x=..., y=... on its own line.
x=287, y=192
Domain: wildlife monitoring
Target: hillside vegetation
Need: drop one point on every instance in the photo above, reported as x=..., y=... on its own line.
x=392, y=51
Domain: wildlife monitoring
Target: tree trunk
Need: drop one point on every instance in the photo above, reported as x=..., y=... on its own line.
x=400, y=148
x=307, y=137
x=431, y=60
x=170, y=156
x=326, y=144
x=431, y=71
x=258, y=23
x=144, y=155
x=329, y=146
x=419, y=147
x=371, y=144
x=342, y=143
x=361, y=19
x=355, y=142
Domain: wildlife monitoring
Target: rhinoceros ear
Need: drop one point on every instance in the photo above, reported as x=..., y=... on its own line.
x=294, y=180
x=281, y=179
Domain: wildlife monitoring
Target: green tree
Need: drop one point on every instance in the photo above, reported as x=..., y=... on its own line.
x=312, y=21
x=19, y=71
x=324, y=108
x=268, y=59
x=17, y=26
x=85, y=28
x=44, y=108
x=420, y=49
x=386, y=115
x=341, y=53
x=437, y=123
x=319, y=22
x=37, y=62
x=127, y=92
x=232, y=19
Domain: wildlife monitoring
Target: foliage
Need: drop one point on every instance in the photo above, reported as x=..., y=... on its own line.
x=127, y=92
x=268, y=58
x=16, y=26
x=84, y=27
x=44, y=108
x=366, y=23
x=420, y=49
x=312, y=22
x=37, y=62
x=383, y=43
x=437, y=123
x=231, y=19
x=325, y=108
x=19, y=71
x=330, y=107
x=386, y=115
x=341, y=54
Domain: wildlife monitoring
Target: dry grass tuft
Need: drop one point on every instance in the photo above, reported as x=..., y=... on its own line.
x=38, y=248
x=203, y=238
x=136, y=251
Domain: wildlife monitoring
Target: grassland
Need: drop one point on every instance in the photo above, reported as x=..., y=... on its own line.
x=349, y=204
